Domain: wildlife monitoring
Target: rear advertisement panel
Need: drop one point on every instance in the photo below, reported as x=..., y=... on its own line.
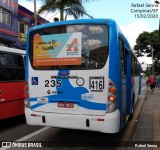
x=57, y=49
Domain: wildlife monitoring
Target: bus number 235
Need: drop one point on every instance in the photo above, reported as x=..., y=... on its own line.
x=53, y=83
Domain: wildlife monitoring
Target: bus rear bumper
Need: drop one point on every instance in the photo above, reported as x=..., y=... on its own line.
x=110, y=123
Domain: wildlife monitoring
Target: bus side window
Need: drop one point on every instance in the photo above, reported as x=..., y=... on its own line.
x=24, y=61
x=132, y=64
x=8, y=60
x=135, y=67
x=1, y=60
x=122, y=59
x=20, y=68
x=20, y=62
x=10, y=64
x=2, y=69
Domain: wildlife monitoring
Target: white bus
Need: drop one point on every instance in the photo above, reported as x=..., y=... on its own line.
x=81, y=74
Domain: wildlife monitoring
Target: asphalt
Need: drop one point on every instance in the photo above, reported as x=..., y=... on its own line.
x=146, y=133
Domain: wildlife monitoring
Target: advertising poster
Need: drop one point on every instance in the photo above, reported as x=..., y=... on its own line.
x=57, y=49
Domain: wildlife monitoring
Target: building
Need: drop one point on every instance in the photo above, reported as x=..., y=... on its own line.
x=144, y=66
x=15, y=20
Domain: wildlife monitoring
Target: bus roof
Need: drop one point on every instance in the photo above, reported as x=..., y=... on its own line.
x=109, y=22
x=12, y=50
x=77, y=21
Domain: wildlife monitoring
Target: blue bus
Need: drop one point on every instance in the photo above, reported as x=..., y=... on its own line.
x=80, y=74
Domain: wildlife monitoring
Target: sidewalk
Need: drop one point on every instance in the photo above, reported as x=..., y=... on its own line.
x=148, y=124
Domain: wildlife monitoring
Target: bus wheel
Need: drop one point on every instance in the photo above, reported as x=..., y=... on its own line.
x=132, y=110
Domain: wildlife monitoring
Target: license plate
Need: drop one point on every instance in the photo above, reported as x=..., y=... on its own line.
x=65, y=104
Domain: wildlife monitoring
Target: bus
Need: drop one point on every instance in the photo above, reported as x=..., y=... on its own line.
x=80, y=74
x=12, y=82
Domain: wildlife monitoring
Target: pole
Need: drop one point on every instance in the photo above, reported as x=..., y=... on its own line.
x=159, y=34
x=35, y=13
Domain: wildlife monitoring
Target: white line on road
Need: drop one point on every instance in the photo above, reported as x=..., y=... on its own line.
x=32, y=134
x=27, y=137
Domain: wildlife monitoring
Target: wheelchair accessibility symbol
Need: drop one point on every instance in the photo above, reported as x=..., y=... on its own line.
x=34, y=80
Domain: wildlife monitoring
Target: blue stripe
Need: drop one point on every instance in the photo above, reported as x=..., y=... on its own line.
x=36, y=105
x=82, y=103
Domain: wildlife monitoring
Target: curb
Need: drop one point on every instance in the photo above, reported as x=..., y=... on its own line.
x=129, y=130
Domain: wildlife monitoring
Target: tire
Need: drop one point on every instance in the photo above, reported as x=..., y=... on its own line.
x=132, y=110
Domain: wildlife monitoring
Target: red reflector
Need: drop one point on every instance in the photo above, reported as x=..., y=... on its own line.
x=34, y=115
x=25, y=95
x=110, y=83
x=100, y=119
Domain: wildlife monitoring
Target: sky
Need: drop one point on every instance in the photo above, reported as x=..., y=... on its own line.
x=132, y=16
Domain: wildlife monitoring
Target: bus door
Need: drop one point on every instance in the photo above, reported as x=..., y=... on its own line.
x=123, y=61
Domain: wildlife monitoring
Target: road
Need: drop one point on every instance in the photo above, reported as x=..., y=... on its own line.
x=16, y=129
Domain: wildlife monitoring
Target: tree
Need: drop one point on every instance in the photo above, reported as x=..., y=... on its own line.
x=76, y=8
x=145, y=44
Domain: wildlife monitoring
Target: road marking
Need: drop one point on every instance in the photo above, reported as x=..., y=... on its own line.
x=27, y=137
x=32, y=134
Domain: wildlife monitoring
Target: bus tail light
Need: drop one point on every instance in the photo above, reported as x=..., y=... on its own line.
x=25, y=95
x=26, y=86
x=112, y=90
x=26, y=99
x=112, y=96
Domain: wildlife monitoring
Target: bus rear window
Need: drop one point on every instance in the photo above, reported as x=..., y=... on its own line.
x=69, y=47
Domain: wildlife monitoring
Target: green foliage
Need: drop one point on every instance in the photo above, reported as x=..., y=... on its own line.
x=76, y=8
x=145, y=44
x=147, y=73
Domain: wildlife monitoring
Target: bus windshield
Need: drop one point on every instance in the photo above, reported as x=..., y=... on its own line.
x=69, y=47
